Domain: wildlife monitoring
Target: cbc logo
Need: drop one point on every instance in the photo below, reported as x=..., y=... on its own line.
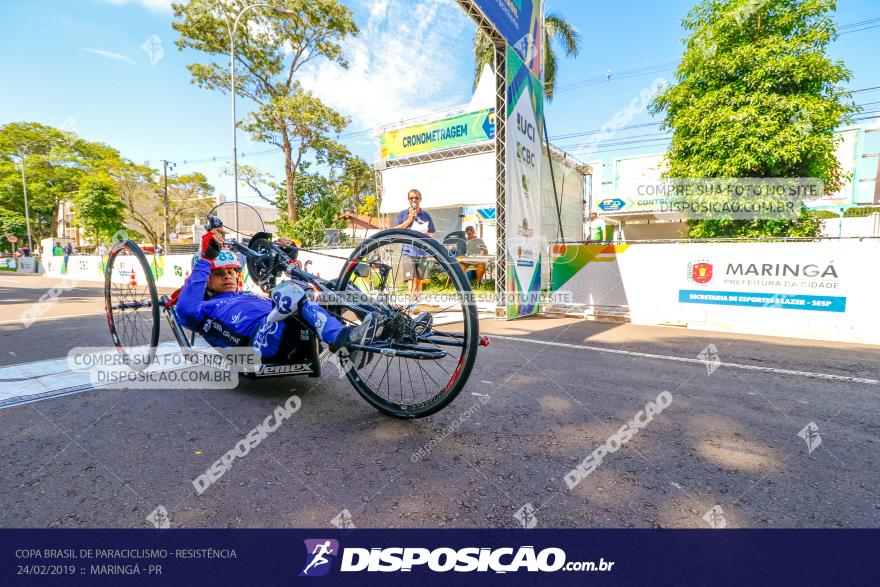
x=525, y=155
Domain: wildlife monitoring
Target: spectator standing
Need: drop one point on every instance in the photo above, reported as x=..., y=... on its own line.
x=415, y=260
x=68, y=251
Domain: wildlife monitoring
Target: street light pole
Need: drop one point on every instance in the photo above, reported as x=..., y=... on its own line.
x=234, y=128
x=27, y=214
x=165, y=166
x=232, y=31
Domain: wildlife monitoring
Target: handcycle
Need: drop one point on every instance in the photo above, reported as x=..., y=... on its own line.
x=417, y=365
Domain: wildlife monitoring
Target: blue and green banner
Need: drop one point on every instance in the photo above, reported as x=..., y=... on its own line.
x=525, y=113
x=447, y=133
x=520, y=22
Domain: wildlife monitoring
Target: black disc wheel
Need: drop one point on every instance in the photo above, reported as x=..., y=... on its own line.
x=132, y=304
x=427, y=346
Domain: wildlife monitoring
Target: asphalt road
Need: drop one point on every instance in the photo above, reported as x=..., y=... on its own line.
x=544, y=395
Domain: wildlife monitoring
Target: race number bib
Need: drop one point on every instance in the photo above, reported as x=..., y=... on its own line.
x=285, y=300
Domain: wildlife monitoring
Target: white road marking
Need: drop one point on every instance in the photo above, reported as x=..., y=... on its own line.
x=692, y=360
x=47, y=318
x=38, y=380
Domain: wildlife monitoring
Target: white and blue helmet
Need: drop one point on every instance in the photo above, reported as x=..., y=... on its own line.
x=224, y=259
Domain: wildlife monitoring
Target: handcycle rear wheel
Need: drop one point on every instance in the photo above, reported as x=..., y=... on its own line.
x=410, y=378
x=132, y=304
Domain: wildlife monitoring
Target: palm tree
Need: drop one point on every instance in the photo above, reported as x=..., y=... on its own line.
x=556, y=29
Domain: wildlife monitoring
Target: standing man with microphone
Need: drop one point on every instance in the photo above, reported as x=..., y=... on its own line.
x=415, y=260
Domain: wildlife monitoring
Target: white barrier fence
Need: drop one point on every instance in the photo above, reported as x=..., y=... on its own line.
x=171, y=270
x=824, y=290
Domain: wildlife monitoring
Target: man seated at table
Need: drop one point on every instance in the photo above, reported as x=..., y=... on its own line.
x=475, y=246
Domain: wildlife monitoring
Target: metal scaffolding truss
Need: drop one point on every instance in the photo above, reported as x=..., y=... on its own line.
x=501, y=179
x=487, y=27
x=441, y=155
x=484, y=23
x=499, y=146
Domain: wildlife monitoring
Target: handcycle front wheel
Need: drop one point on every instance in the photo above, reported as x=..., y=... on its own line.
x=430, y=337
x=132, y=304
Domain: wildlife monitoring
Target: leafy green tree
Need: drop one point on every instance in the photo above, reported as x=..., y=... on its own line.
x=56, y=163
x=557, y=30
x=190, y=197
x=11, y=222
x=355, y=184
x=321, y=199
x=320, y=208
x=271, y=50
x=262, y=184
x=300, y=125
x=370, y=207
x=48, y=180
x=62, y=167
x=756, y=95
x=141, y=190
x=805, y=226
x=138, y=189
x=98, y=209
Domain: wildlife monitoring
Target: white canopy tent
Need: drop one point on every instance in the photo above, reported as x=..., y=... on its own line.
x=459, y=182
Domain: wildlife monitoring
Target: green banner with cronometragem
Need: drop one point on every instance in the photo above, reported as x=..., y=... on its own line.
x=455, y=131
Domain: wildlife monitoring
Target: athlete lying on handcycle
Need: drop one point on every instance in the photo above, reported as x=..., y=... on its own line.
x=210, y=302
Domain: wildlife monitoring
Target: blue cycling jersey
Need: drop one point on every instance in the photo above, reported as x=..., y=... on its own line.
x=239, y=319
x=240, y=315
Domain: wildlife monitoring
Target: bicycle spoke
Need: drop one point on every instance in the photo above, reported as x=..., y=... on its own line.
x=400, y=374
x=412, y=387
x=442, y=367
x=374, y=369
x=386, y=373
x=401, y=313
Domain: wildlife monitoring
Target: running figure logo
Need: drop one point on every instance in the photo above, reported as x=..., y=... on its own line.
x=319, y=554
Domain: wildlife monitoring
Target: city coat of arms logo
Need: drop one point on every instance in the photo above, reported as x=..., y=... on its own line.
x=700, y=272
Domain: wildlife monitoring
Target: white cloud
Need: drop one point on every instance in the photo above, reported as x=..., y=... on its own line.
x=111, y=55
x=163, y=6
x=403, y=63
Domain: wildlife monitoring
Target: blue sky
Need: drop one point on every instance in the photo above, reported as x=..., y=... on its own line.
x=79, y=64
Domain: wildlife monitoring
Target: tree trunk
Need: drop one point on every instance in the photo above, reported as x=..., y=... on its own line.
x=53, y=230
x=290, y=179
